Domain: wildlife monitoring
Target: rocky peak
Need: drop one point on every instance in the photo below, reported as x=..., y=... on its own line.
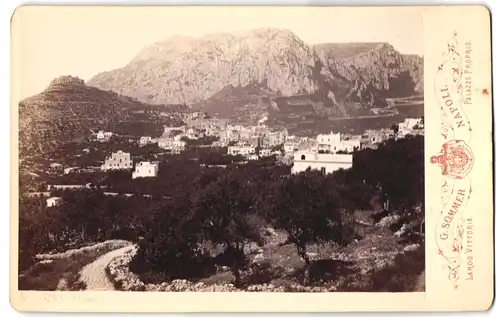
x=167, y=50
x=64, y=81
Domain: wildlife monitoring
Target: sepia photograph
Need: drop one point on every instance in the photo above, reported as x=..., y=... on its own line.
x=262, y=159
x=224, y=150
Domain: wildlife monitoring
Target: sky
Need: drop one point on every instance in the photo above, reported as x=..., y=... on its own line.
x=48, y=42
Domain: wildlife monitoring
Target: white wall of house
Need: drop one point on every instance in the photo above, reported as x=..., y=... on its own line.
x=145, y=140
x=118, y=160
x=145, y=169
x=53, y=201
x=240, y=150
x=331, y=139
x=326, y=163
x=289, y=147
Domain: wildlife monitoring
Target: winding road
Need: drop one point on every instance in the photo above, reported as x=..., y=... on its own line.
x=94, y=274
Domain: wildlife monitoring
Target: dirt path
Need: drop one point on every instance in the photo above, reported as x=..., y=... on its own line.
x=94, y=274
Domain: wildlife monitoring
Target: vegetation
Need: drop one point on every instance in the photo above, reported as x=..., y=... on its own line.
x=61, y=271
x=199, y=218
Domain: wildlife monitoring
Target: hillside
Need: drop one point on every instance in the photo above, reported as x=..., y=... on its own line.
x=350, y=77
x=67, y=110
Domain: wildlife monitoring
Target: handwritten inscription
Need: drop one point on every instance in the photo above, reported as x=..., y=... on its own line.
x=467, y=72
x=468, y=250
x=84, y=298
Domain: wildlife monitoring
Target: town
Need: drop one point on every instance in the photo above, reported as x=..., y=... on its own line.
x=115, y=188
x=325, y=152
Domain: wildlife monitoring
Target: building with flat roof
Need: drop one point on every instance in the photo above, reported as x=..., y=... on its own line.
x=241, y=150
x=117, y=161
x=326, y=163
x=145, y=169
x=53, y=201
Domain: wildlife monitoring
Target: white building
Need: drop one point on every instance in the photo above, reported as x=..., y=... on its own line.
x=53, y=201
x=265, y=152
x=289, y=147
x=145, y=140
x=104, y=136
x=409, y=126
x=328, y=139
x=326, y=163
x=333, y=143
x=241, y=150
x=272, y=139
x=351, y=144
x=117, y=161
x=145, y=169
x=167, y=131
x=174, y=145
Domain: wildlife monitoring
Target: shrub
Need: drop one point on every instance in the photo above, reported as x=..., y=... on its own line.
x=403, y=275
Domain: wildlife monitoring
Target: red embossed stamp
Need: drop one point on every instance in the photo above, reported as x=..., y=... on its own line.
x=456, y=159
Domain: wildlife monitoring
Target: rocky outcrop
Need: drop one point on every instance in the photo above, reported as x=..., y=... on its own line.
x=192, y=70
x=66, y=110
x=374, y=70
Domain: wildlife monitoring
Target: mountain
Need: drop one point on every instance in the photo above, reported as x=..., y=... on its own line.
x=343, y=79
x=67, y=110
x=214, y=62
x=376, y=65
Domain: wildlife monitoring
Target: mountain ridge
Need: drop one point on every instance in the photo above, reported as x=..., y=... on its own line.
x=187, y=70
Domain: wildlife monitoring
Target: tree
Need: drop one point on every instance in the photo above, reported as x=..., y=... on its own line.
x=307, y=206
x=170, y=242
x=223, y=208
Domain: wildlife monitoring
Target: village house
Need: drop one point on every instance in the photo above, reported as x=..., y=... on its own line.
x=53, y=201
x=265, y=152
x=117, y=161
x=410, y=126
x=145, y=169
x=334, y=142
x=241, y=150
x=273, y=139
x=104, y=136
x=307, y=144
x=326, y=163
x=145, y=140
x=56, y=168
x=255, y=141
x=289, y=147
x=350, y=144
x=175, y=146
x=68, y=187
x=245, y=134
x=372, y=138
x=167, y=131
x=328, y=142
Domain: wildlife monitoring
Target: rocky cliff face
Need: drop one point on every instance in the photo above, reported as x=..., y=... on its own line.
x=371, y=70
x=276, y=57
x=192, y=70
